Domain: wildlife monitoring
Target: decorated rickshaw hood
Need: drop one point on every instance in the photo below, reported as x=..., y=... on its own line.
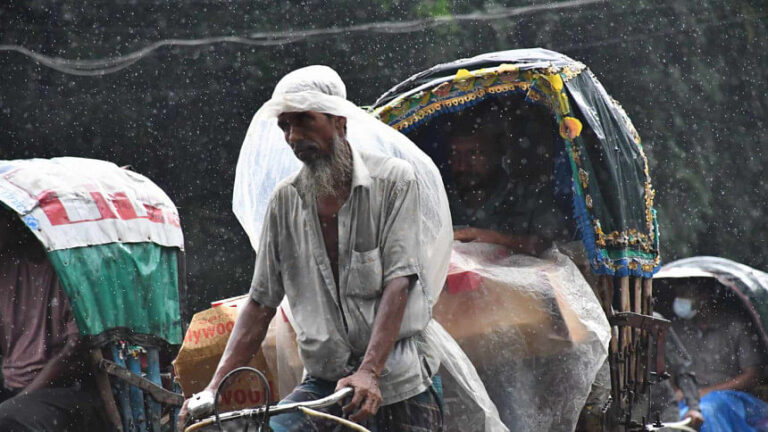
x=608, y=170
x=72, y=202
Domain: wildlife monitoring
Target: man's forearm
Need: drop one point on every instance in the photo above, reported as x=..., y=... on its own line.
x=244, y=342
x=386, y=326
x=65, y=365
x=744, y=381
x=689, y=389
x=527, y=244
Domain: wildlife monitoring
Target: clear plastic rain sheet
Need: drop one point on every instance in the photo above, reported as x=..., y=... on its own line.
x=266, y=159
x=533, y=329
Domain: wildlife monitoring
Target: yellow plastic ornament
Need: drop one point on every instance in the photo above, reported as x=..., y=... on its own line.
x=570, y=128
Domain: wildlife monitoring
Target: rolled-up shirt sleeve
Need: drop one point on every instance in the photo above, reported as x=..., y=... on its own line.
x=267, y=285
x=400, y=245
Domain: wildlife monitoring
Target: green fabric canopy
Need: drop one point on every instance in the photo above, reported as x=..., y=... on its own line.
x=123, y=290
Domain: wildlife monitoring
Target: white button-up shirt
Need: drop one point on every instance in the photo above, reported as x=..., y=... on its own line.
x=379, y=232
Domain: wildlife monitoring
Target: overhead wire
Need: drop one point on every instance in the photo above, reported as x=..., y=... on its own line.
x=98, y=67
x=698, y=26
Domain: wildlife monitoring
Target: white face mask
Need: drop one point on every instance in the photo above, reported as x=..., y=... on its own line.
x=683, y=308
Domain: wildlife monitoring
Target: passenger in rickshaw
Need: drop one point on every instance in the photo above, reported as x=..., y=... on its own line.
x=725, y=358
x=46, y=385
x=501, y=189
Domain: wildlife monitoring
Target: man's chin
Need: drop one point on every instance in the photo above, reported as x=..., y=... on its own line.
x=306, y=158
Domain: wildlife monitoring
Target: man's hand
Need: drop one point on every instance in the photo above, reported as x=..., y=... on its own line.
x=527, y=244
x=198, y=406
x=678, y=395
x=181, y=421
x=466, y=234
x=367, y=398
x=696, y=418
x=244, y=342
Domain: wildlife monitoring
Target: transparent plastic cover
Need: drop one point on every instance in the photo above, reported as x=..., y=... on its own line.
x=266, y=159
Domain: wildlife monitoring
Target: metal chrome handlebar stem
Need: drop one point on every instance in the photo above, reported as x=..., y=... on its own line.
x=275, y=409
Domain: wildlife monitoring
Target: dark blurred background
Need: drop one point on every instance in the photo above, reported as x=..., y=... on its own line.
x=690, y=74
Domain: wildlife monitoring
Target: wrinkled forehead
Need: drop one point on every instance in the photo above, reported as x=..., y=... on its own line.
x=312, y=78
x=298, y=116
x=465, y=143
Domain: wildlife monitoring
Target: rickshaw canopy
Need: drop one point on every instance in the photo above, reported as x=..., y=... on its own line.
x=113, y=238
x=607, y=168
x=749, y=285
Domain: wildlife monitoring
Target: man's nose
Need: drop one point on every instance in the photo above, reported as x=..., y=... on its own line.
x=459, y=165
x=294, y=136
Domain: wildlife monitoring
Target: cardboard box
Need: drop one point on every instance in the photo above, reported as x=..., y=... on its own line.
x=202, y=348
x=499, y=313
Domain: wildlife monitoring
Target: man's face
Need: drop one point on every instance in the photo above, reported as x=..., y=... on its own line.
x=695, y=290
x=318, y=140
x=471, y=166
x=311, y=134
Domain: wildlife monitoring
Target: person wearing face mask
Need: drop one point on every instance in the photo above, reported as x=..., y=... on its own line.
x=725, y=359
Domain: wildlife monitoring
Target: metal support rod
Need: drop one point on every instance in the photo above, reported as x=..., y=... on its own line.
x=637, y=307
x=121, y=391
x=175, y=410
x=105, y=391
x=136, y=395
x=624, y=333
x=648, y=295
x=648, y=310
x=605, y=284
x=153, y=374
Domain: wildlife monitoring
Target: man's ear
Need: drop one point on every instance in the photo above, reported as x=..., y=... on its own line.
x=341, y=125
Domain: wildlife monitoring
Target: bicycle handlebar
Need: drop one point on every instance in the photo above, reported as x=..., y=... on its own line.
x=274, y=409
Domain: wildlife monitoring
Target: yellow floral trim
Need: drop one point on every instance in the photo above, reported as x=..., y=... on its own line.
x=583, y=178
x=462, y=74
x=551, y=83
x=507, y=68
x=634, y=264
x=465, y=85
x=600, y=239
x=440, y=105
x=571, y=72
x=540, y=98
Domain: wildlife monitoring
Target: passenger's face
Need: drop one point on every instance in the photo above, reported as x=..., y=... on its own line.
x=691, y=289
x=471, y=166
x=310, y=134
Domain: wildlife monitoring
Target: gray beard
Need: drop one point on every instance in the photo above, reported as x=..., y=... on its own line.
x=330, y=176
